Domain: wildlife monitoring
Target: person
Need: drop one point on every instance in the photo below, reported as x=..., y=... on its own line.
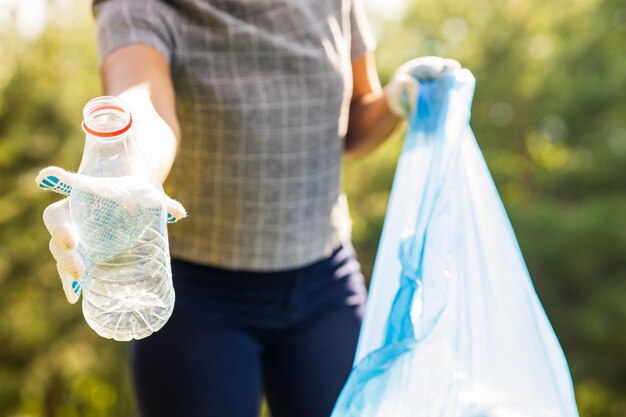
x=246, y=107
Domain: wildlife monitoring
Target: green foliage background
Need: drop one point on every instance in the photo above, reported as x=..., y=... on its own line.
x=549, y=114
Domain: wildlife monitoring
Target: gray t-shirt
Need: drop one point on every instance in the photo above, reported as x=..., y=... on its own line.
x=263, y=89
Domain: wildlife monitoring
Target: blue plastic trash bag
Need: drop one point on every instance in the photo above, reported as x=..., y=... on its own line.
x=453, y=326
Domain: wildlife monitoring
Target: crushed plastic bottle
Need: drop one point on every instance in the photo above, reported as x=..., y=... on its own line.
x=120, y=216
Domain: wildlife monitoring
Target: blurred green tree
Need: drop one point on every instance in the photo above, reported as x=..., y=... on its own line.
x=548, y=114
x=51, y=364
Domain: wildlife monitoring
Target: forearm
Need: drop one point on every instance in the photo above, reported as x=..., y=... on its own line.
x=140, y=75
x=157, y=140
x=371, y=123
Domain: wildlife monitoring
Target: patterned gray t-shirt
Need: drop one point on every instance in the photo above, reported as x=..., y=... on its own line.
x=263, y=89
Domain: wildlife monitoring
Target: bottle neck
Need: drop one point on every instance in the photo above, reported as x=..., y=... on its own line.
x=110, y=149
x=112, y=157
x=106, y=118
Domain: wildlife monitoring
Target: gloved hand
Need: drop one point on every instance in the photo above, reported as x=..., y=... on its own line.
x=402, y=90
x=63, y=245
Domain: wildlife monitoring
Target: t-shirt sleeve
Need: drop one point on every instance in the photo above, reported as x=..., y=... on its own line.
x=362, y=40
x=125, y=22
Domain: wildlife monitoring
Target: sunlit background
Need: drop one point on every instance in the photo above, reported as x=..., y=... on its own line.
x=549, y=114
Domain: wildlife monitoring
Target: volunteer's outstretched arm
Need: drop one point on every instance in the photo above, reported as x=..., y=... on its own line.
x=140, y=75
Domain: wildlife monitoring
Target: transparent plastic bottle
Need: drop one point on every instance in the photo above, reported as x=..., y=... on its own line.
x=121, y=220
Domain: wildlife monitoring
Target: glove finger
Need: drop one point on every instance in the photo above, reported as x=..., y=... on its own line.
x=402, y=93
x=69, y=261
x=452, y=64
x=411, y=91
x=432, y=67
x=63, y=182
x=56, y=217
x=427, y=67
x=56, y=179
x=175, y=211
x=71, y=286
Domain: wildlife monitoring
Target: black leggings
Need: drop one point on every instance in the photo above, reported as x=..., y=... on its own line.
x=235, y=336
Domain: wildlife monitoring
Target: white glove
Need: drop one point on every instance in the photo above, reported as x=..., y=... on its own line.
x=402, y=90
x=56, y=216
